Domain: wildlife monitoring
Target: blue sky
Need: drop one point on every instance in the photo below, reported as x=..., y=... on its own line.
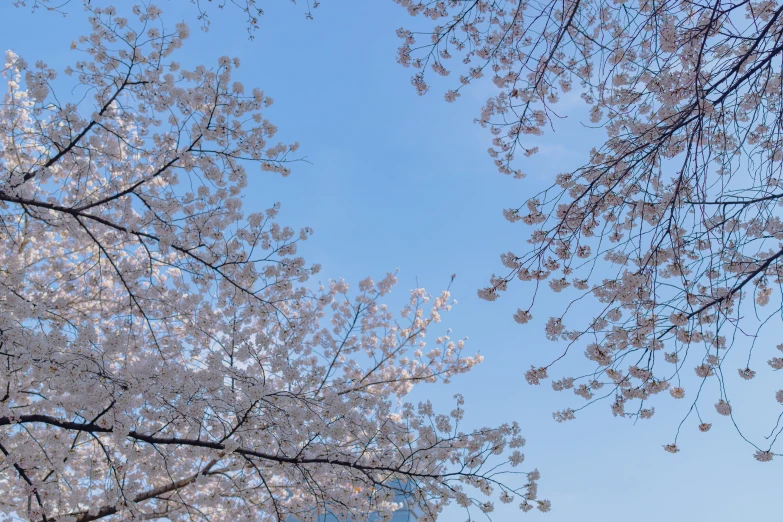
x=401, y=181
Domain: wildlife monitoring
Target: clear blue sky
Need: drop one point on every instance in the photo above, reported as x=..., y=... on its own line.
x=399, y=181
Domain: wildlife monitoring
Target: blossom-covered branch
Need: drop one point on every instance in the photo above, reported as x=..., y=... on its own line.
x=165, y=355
x=673, y=225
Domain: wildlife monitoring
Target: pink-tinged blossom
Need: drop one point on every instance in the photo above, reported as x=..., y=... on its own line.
x=516, y=458
x=544, y=506
x=565, y=415
x=763, y=456
x=618, y=406
x=583, y=391
x=451, y=96
x=522, y=316
x=563, y=384
x=677, y=393
x=534, y=375
x=723, y=407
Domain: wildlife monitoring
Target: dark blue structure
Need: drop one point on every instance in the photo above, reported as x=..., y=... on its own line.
x=405, y=514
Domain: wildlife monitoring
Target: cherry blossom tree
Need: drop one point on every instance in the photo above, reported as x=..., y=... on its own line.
x=165, y=355
x=672, y=228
